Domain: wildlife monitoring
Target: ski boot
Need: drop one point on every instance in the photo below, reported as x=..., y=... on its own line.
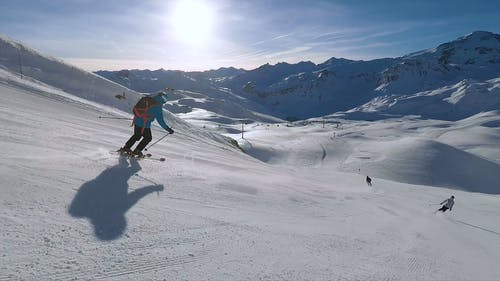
x=137, y=154
x=125, y=151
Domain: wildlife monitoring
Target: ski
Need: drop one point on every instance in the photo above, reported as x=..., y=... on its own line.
x=148, y=156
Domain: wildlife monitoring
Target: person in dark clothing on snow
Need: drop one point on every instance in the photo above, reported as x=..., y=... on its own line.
x=448, y=204
x=146, y=110
x=368, y=181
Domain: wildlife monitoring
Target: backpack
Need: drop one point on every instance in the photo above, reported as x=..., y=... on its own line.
x=141, y=109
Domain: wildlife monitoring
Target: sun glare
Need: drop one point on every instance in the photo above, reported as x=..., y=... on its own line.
x=192, y=21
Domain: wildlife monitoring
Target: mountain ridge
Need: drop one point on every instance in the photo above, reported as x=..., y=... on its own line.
x=273, y=93
x=304, y=90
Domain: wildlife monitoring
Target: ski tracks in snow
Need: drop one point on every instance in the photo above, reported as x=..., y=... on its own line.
x=134, y=268
x=133, y=257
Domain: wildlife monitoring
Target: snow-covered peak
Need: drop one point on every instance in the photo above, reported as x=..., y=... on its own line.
x=480, y=36
x=335, y=62
x=479, y=47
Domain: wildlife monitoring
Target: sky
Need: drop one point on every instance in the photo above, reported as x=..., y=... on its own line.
x=196, y=35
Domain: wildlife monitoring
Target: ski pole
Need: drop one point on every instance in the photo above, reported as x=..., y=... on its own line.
x=156, y=141
x=106, y=117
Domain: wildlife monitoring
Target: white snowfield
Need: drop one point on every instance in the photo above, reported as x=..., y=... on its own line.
x=294, y=207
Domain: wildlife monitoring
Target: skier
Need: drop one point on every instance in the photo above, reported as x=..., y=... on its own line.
x=145, y=111
x=368, y=180
x=448, y=204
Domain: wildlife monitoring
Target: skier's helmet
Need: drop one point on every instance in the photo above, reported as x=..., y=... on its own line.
x=452, y=197
x=161, y=97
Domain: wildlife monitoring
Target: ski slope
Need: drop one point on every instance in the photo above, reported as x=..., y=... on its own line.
x=295, y=207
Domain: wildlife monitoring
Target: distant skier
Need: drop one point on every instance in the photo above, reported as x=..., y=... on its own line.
x=448, y=204
x=368, y=181
x=146, y=110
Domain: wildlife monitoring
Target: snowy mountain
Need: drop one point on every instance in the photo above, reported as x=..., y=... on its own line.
x=453, y=102
x=305, y=90
x=31, y=65
x=475, y=56
x=196, y=96
x=295, y=206
x=27, y=68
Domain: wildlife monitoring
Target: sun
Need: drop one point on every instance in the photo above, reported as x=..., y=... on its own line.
x=192, y=21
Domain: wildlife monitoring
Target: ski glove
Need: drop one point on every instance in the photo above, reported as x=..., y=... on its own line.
x=170, y=130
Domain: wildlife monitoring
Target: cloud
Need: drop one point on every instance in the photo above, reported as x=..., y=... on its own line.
x=287, y=53
x=281, y=36
x=113, y=64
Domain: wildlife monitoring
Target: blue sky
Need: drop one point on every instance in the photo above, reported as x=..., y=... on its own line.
x=208, y=34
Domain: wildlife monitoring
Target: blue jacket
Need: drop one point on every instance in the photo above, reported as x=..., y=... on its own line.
x=156, y=112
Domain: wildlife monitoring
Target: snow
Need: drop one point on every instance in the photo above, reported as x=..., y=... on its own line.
x=295, y=206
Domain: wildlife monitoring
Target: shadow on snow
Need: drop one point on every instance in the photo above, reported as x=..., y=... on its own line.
x=105, y=199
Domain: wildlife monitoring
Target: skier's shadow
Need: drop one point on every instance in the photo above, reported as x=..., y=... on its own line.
x=105, y=199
